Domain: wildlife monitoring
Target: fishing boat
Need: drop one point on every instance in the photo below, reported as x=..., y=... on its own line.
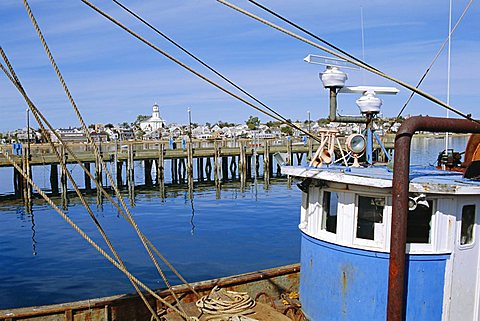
x=379, y=241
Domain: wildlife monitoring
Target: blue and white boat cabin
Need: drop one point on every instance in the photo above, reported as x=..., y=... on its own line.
x=346, y=224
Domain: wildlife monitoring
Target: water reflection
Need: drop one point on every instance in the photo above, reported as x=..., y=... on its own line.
x=34, y=242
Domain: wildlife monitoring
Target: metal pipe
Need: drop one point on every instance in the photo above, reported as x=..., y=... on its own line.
x=341, y=119
x=400, y=188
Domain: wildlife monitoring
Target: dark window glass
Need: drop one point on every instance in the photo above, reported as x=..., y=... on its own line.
x=468, y=223
x=329, y=215
x=370, y=211
x=419, y=223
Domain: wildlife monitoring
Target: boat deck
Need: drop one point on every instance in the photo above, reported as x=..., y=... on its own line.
x=422, y=178
x=263, y=312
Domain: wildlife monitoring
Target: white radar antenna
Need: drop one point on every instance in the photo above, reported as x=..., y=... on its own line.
x=332, y=77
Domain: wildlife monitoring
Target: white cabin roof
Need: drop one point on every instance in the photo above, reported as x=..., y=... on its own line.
x=422, y=179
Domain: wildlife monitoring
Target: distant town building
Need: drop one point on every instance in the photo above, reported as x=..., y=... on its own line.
x=70, y=135
x=154, y=123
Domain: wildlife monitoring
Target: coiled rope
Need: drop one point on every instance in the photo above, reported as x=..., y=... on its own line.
x=223, y=305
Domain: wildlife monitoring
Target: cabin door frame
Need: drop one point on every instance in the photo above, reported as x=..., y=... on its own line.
x=465, y=276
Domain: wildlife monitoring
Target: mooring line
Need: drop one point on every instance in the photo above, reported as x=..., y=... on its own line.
x=200, y=61
x=74, y=184
x=104, y=192
x=95, y=148
x=92, y=242
x=196, y=73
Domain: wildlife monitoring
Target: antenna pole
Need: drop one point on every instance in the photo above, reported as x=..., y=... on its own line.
x=448, y=69
x=363, y=41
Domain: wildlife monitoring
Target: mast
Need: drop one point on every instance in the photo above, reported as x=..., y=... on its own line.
x=448, y=68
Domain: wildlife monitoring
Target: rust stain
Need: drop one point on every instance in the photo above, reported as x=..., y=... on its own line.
x=344, y=283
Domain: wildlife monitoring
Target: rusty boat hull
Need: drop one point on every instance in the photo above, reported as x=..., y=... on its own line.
x=264, y=285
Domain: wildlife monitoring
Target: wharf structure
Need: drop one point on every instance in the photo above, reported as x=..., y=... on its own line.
x=215, y=160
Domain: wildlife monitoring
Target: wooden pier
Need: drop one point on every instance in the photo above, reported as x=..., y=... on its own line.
x=223, y=159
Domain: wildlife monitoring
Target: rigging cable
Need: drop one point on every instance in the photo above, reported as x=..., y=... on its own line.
x=188, y=68
x=434, y=59
x=90, y=175
x=203, y=63
x=89, y=240
x=311, y=34
x=95, y=148
x=60, y=159
x=373, y=70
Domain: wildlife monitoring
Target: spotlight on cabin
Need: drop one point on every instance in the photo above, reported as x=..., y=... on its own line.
x=356, y=144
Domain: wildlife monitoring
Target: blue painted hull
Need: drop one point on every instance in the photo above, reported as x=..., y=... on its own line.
x=341, y=283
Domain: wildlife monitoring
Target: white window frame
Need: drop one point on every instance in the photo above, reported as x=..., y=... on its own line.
x=428, y=248
x=380, y=229
x=459, y=232
x=323, y=233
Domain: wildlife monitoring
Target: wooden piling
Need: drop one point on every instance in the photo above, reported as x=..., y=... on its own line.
x=54, y=179
x=233, y=168
x=190, y=166
x=88, y=181
x=161, y=169
x=174, y=171
x=242, y=162
x=131, y=174
x=299, y=158
x=216, y=167
x=98, y=181
x=200, y=169
x=224, y=168
x=181, y=170
x=266, y=162
x=63, y=178
x=147, y=166
x=208, y=169
x=119, y=173
x=249, y=166
x=289, y=160
x=17, y=183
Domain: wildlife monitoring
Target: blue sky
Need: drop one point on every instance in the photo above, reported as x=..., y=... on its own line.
x=113, y=77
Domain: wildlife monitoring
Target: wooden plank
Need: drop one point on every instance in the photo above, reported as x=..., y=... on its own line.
x=69, y=315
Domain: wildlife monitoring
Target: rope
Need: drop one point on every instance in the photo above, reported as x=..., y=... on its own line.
x=75, y=186
x=188, y=68
x=377, y=72
x=90, y=241
x=95, y=149
x=104, y=192
x=311, y=34
x=223, y=305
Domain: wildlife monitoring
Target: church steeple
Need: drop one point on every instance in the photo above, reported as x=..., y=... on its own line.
x=155, y=111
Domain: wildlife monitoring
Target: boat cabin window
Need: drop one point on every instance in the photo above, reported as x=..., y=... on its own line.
x=370, y=211
x=329, y=211
x=468, y=222
x=419, y=223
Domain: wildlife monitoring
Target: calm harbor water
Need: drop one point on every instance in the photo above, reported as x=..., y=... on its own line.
x=44, y=261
